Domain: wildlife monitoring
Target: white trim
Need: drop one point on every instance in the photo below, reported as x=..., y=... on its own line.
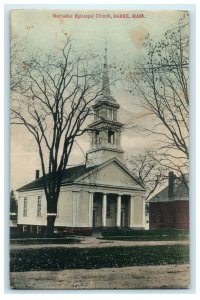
x=103, y=148
x=118, y=223
x=106, y=186
x=104, y=208
x=90, y=209
x=75, y=208
x=143, y=212
x=32, y=192
x=131, y=211
x=51, y=214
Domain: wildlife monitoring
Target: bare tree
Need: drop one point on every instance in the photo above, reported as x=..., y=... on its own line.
x=160, y=81
x=53, y=101
x=148, y=170
x=16, y=62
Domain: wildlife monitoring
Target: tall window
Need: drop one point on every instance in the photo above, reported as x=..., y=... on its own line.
x=111, y=137
x=110, y=114
x=39, y=206
x=97, y=139
x=25, y=211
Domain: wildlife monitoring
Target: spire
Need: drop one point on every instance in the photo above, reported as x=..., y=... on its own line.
x=105, y=79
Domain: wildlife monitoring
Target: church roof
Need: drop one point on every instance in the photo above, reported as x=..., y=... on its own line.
x=69, y=175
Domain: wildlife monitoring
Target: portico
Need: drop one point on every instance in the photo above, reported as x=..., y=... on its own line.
x=110, y=209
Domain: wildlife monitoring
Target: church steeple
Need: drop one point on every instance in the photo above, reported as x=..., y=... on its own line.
x=105, y=131
x=106, y=93
x=105, y=79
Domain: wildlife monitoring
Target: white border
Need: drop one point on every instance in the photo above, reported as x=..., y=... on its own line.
x=195, y=160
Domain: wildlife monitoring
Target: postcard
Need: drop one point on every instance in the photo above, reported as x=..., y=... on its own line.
x=99, y=150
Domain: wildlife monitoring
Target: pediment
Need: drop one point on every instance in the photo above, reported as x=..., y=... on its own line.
x=110, y=174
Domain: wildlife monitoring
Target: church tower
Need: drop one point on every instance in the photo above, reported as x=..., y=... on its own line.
x=105, y=130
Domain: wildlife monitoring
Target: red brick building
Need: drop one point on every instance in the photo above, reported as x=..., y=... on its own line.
x=170, y=207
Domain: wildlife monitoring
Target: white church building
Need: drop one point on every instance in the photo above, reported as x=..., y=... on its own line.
x=100, y=193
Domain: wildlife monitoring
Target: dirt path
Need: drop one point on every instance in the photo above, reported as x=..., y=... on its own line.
x=93, y=242
x=142, y=277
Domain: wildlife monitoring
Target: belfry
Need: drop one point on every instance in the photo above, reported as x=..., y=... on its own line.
x=105, y=130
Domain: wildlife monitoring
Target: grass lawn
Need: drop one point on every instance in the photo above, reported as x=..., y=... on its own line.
x=146, y=235
x=54, y=259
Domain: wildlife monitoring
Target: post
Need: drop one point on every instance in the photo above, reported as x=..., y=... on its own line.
x=144, y=212
x=131, y=211
x=75, y=208
x=104, y=208
x=118, y=211
x=90, y=214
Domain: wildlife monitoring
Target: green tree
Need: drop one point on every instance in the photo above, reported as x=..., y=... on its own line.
x=13, y=202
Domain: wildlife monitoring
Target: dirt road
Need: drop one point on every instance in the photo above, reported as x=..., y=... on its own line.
x=93, y=242
x=143, y=277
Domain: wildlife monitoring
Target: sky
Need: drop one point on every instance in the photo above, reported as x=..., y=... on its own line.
x=39, y=30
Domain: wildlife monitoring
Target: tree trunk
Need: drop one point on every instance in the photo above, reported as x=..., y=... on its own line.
x=52, y=201
x=50, y=224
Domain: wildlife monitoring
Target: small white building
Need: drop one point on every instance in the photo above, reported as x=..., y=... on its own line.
x=100, y=193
